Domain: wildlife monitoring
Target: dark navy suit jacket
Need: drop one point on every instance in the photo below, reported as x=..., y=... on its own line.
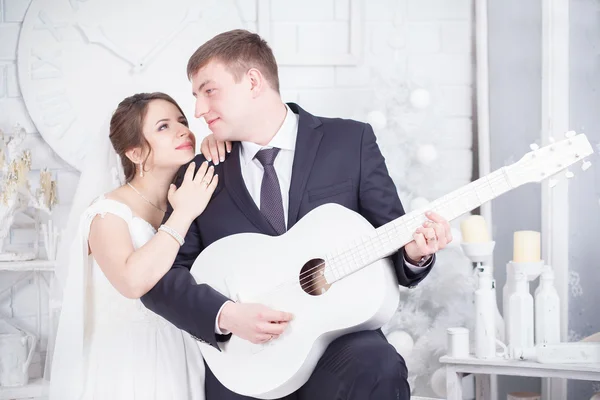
x=335, y=161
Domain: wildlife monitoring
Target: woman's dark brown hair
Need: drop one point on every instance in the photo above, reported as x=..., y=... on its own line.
x=126, y=127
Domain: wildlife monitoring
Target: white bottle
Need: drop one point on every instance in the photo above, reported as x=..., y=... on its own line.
x=485, y=317
x=500, y=327
x=547, y=310
x=520, y=306
x=507, y=290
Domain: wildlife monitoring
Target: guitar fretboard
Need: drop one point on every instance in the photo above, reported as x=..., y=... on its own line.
x=390, y=237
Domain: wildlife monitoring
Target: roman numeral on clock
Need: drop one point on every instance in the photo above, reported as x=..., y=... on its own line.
x=75, y=4
x=46, y=64
x=57, y=110
x=46, y=23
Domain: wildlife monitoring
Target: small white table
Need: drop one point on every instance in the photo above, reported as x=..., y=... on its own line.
x=456, y=368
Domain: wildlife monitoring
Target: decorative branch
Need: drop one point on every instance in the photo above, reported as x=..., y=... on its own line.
x=16, y=195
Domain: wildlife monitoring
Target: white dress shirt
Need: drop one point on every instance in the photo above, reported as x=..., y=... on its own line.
x=252, y=169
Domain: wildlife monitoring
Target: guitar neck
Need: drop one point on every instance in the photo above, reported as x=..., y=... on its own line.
x=387, y=239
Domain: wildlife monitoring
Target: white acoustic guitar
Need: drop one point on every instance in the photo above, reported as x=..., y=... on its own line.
x=331, y=271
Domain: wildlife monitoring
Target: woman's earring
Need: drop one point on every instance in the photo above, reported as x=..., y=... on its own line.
x=141, y=170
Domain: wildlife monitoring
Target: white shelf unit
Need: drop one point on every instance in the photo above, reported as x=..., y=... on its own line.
x=36, y=388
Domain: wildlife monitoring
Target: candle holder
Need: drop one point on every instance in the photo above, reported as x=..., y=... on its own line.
x=480, y=253
x=531, y=269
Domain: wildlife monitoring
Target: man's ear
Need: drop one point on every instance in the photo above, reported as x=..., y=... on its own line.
x=257, y=81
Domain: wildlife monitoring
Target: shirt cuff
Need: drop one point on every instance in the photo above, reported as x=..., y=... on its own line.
x=416, y=268
x=217, y=330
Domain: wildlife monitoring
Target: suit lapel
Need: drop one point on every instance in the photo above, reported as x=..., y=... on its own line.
x=239, y=193
x=307, y=144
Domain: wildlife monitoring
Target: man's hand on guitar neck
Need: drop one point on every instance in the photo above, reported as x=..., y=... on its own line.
x=253, y=322
x=434, y=235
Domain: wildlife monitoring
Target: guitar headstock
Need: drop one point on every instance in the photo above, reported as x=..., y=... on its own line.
x=544, y=162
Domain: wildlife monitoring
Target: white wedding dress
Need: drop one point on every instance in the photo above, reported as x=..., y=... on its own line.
x=110, y=347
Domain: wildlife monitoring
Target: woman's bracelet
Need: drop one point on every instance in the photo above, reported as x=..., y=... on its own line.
x=173, y=233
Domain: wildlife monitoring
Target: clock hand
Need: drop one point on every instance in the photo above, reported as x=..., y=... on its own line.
x=193, y=14
x=96, y=35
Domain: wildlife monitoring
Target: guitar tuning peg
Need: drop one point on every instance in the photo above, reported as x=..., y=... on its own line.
x=570, y=134
x=585, y=165
x=534, y=146
x=569, y=174
x=552, y=182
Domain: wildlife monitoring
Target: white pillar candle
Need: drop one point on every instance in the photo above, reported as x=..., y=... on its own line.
x=474, y=230
x=526, y=246
x=523, y=396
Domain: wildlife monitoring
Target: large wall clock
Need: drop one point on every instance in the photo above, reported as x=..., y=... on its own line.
x=77, y=59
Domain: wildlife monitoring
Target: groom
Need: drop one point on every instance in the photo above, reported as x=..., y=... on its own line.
x=284, y=163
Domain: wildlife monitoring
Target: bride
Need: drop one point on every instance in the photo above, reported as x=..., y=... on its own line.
x=108, y=345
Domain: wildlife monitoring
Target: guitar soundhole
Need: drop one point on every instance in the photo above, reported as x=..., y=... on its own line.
x=312, y=277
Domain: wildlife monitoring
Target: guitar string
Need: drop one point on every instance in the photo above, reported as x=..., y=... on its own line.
x=498, y=177
x=309, y=273
x=501, y=176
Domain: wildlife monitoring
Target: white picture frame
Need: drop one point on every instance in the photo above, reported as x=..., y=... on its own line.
x=356, y=39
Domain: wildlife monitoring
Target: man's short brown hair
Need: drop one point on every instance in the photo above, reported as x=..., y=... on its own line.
x=239, y=50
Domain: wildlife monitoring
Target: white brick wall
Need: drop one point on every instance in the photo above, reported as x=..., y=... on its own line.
x=3, y=82
x=15, y=10
x=307, y=77
x=9, y=32
x=350, y=76
x=439, y=10
x=456, y=37
x=12, y=87
x=323, y=37
x=433, y=37
x=295, y=11
x=423, y=37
